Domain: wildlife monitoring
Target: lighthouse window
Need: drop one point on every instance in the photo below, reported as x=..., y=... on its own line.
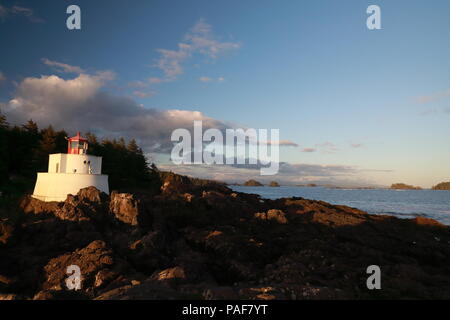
x=74, y=144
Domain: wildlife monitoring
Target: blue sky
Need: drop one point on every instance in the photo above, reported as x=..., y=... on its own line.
x=375, y=101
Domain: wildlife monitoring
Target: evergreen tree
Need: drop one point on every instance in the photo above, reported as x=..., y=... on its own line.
x=46, y=146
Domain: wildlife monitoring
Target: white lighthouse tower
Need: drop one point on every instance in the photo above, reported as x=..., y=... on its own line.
x=69, y=172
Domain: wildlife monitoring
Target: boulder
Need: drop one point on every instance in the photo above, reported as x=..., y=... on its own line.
x=273, y=214
x=96, y=262
x=128, y=209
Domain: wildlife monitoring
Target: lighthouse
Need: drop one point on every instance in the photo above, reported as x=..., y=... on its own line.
x=69, y=172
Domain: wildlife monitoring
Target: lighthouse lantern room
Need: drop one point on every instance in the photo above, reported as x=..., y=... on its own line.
x=69, y=172
x=77, y=145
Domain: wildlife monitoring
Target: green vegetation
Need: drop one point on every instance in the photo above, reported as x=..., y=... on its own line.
x=253, y=183
x=442, y=186
x=403, y=186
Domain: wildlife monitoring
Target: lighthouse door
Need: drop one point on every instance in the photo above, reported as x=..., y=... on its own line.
x=57, y=167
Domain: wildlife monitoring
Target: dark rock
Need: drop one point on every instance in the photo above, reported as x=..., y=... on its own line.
x=9, y=296
x=30, y=205
x=169, y=274
x=6, y=231
x=202, y=241
x=128, y=209
x=96, y=262
x=273, y=214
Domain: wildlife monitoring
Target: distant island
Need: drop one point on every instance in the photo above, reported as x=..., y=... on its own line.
x=274, y=184
x=253, y=183
x=442, y=186
x=403, y=186
x=309, y=185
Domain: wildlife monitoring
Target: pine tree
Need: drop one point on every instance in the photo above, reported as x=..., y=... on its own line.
x=31, y=127
x=3, y=123
x=46, y=146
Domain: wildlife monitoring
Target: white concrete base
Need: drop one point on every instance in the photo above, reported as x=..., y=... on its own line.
x=56, y=186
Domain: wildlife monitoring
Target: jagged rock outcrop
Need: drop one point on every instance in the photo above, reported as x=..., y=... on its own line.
x=272, y=214
x=128, y=209
x=200, y=240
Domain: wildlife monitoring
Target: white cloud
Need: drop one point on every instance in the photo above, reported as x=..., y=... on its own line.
x=285, y=143
x=80, y=104
x=289, y=174
x=62, y=67
x=199, y=40
x=19, y=11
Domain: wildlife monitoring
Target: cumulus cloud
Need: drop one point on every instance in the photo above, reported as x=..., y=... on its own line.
x=6, y=12
x=80, y=104
x=199, y=40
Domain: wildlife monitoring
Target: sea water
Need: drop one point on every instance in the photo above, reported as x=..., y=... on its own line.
x=433, y=204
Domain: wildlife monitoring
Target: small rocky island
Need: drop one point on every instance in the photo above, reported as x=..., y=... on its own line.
x=253, y=183
x=274, y=184
x=402, y=186
x=442, y=186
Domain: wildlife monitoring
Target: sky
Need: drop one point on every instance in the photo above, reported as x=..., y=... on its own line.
x=354, y=106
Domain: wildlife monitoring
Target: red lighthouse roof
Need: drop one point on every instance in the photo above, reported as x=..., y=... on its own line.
x=77, y=145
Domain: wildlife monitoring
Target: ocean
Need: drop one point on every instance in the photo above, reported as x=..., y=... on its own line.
x=433, y=204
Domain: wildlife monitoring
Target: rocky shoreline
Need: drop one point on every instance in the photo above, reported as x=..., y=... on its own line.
x=204, y=241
